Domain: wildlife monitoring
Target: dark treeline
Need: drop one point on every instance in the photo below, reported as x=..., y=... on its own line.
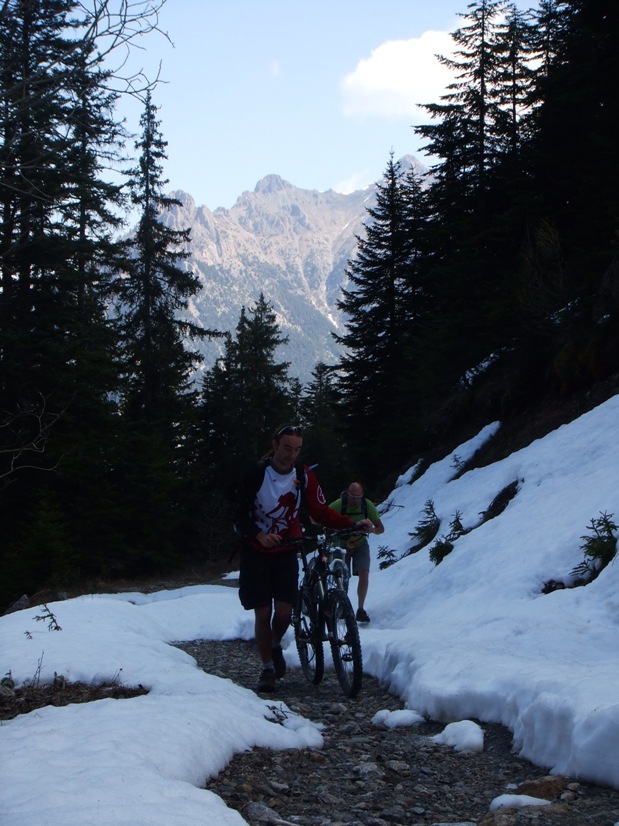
x=474, y=292
x=496, y=285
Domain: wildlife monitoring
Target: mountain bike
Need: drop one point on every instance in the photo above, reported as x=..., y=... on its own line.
x=323, y=612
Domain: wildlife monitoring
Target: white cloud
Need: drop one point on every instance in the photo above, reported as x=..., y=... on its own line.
x=356, y=181
x=398, y=76
x=275, y=68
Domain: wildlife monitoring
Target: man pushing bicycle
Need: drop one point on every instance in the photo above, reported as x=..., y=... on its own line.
x=267, y=515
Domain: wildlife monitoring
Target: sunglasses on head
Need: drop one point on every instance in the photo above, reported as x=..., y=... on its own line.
x=289, y=430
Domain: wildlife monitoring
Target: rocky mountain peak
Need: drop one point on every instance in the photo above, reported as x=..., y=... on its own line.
x=270, y=184
x=291, y=244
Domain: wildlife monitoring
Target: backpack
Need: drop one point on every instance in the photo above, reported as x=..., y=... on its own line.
x=364, y=504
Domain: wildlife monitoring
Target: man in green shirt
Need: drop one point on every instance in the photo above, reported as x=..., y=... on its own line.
x=354, y=504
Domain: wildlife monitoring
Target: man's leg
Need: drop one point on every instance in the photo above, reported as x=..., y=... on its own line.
x=263, y=633
x=279, y=625
x=280, y=622
x=362, y=588
x=262, y=629
x=269, y=631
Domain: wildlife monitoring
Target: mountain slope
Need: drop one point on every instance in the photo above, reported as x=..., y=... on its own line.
x=291, y=244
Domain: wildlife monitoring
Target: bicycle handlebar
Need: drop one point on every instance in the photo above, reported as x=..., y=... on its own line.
x=325, y=536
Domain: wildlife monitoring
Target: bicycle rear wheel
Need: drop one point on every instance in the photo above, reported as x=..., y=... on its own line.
x=307, y=638
x=345, y=642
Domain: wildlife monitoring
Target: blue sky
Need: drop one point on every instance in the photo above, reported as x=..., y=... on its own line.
x=319, y=93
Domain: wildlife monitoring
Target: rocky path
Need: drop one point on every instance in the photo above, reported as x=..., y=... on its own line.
x=371, y=776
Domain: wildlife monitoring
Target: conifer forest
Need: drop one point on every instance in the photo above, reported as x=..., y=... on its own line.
x=487, y=289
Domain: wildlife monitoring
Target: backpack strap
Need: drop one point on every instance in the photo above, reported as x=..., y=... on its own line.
x=301, y=472
x=244, y=494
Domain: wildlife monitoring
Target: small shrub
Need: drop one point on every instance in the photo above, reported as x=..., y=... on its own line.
x=455, y=527
x=441, y=548
x=599, y=548
x=500, y=501
x=47, y=616
x=602, y=546
x=427, y=528
x=445, y=545
x=457, y=463
x=387, y=556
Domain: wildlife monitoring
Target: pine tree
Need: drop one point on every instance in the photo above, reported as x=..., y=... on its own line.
x=514, y=79
x=578, y=89
x=261, y=383
x=57, y=363
x=158, y=396
x=466, y=134
x=478, y=199
x=577, y=181
x=324, y=442
x=58, y=359
x=154, y=291
x=34, y=58
x=550, y=22
x=379, y=307
x=245, y=396
x=90, y=218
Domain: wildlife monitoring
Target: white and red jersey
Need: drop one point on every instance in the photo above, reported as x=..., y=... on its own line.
x=277, y=501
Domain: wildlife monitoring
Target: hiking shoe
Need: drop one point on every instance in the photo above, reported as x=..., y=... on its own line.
x=267, y=680
x=279, y=663
x=362, y=616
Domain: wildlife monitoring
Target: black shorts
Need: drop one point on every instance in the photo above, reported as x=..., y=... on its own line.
x=267, y=577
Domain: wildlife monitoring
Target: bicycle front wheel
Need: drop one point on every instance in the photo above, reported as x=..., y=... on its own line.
x=308, y=639
x=345, y=642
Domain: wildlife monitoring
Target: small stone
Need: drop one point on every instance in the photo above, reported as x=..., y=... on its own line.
x=22, y=603
x=259, y=813
x=394, y=814
x=568, y=796
x=367, y=770
x=549, y=787
x=338, y=708
x=398, y=766
x=352, y=728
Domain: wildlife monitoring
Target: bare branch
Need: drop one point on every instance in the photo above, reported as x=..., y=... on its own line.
x=117, y=26
x=28, y=431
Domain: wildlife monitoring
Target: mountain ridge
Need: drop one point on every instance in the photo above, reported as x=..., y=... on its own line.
x=290, y=244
